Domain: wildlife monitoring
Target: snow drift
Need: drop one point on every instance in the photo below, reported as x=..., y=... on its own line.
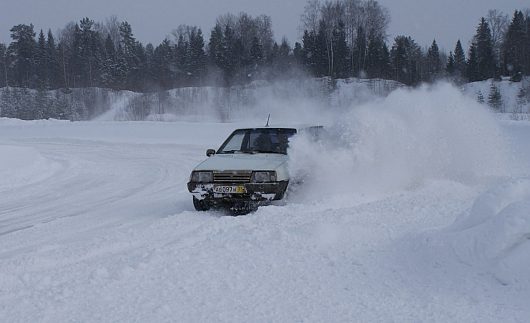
x=398, y=142
x=493, y=236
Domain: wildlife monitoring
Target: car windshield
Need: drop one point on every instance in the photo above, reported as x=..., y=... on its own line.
x=264, y=140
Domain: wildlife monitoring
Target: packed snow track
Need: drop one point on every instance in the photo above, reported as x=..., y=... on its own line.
x=96, y=224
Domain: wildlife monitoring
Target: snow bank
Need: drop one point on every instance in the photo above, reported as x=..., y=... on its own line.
x=297, y=101
x=396, y=143
x=508, y=90
x=22, y=166
x=19, y=122
x=494, y=236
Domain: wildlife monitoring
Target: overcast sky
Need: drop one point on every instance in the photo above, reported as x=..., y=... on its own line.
x=152, y=20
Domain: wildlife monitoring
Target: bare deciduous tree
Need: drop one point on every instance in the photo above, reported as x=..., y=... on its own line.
x=498, y=22
x=183, y=32
x=111, y=26
x=311, y=16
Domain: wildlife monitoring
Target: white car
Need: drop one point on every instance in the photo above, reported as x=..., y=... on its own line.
x=248, y=170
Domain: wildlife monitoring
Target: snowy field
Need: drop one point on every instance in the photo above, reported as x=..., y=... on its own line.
x=419, y=211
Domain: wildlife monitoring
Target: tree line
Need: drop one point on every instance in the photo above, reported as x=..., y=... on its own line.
x=341, y=38
x=347, y=38
x=89, y=54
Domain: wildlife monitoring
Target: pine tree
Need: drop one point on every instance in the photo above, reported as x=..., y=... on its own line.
x=309, y=52
x=495, y=98
x=323, y=58
x=197, y=56
x=284, y=62
x=86, y=59
x=149, y=81
x=23, y=47
x=405, y=56
x=121, y=70
x=450, y=66
x=256, y=52
x=109, y=64
x=4, y=65
x=460, y=60
x=480, y=97
x=377, y=59
x=386, y=66
x=298, y=53
x=162, y=60
x=181, y=61
x=42, y=62
x=400, y=58
x=486, y=65
x=433, y=61
x=215, y=45
x=472, y=73
x=137, y=80
x=52, y=62
x=225, y=51
x=128, y=60
x=515, y=45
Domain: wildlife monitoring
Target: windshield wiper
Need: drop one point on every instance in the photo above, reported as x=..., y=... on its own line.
x=265, y=151
x=237, y=151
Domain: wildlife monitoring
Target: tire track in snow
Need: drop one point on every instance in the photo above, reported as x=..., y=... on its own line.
x=95, y=179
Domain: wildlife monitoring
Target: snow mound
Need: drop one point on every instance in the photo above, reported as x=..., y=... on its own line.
x=398, y=142
x=19, y=122
x=22, y=166
x=494, y=235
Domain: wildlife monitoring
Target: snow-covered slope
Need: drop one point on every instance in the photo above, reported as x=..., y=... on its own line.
x=283, y=97
x=419, y=213
x=193, y=103
x=508, y=90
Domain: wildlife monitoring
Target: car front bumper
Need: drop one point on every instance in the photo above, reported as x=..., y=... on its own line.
x=258, y=192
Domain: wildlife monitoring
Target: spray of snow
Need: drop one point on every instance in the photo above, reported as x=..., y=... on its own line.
x=400, y=141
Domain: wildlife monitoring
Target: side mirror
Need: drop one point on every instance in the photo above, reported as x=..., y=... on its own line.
x=210, y=152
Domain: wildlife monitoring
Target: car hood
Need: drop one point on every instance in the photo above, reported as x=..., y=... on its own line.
x=224, y=162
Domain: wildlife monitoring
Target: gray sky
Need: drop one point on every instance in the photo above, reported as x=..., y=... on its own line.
x=152, y=20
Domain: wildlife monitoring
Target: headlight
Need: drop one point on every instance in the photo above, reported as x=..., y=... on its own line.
x=202, y=177
x=263, y=177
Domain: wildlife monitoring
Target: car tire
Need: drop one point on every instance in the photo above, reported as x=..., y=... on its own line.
x=201, y=205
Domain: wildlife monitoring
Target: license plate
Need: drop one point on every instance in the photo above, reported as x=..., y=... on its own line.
x=230, y=189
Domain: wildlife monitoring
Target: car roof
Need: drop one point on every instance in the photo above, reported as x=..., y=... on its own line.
x=296, y=127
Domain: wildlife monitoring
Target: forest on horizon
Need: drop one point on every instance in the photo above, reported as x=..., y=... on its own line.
x=341, y=39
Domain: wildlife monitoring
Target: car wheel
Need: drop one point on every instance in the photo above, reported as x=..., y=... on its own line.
x=201, y=205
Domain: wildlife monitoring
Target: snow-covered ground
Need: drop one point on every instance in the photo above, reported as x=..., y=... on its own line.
x=423, y=215
x=508, y=90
